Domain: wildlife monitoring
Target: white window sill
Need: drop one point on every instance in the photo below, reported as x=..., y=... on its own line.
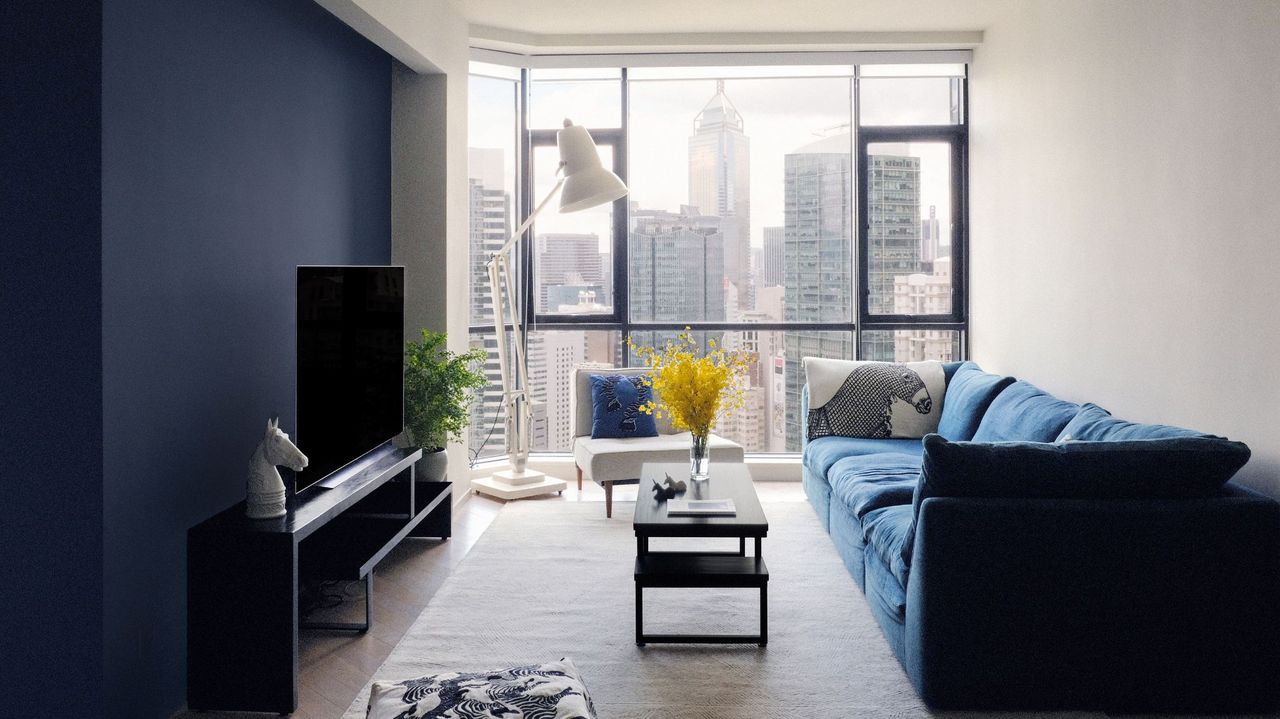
x=764, y=467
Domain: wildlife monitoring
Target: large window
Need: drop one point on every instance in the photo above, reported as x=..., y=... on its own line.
x=788, y=211
x=493, y=171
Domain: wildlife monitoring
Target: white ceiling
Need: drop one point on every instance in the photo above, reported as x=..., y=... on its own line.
x=610, y=17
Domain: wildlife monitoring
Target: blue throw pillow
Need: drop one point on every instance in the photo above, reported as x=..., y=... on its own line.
x=1094, y=424
x=1173, y=468
x=615, y=407
x=1024, y=413
x=969, y=392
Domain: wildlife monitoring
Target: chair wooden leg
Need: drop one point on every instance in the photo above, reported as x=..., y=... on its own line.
x=579, y=477
x=608, y=499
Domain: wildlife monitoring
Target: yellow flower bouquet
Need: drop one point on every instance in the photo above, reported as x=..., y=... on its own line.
x=693, y=388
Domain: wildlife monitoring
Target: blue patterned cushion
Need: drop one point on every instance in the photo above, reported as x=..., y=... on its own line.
x=615, y=407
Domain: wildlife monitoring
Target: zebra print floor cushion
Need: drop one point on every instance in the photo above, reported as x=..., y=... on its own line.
x=541, y=691
x=615, y=407
x=873, y=399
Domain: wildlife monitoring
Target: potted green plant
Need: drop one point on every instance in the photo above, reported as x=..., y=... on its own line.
x=439, y=386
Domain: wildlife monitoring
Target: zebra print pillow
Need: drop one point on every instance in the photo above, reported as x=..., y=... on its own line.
x=615, y=407
x=873, y=399
x=541, y=691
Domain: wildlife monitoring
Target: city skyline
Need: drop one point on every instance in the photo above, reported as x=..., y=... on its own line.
x=785, y=115
x=682, y=259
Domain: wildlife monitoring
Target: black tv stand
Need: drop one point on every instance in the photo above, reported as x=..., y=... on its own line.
x=243, y=575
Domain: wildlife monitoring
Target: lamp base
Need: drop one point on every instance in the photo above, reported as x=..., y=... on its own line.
x=509, y=484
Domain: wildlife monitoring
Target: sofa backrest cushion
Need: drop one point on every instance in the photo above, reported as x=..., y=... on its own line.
x=969, y=393
x=1024, y=413
x=949, y=369
x=1095, y=424
x=1171, y=468
x=874, y=400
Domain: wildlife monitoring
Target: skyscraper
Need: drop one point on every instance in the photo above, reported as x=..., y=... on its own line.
x=677, y=266
x=924, y=293
x=894, y=241
x=720, y=180
x=490, y=218
x=930, y=238
x=893, y=208
x=552, y=358
x=568, y=260
x=771, y=274
x=606, y=278
x=817, y=238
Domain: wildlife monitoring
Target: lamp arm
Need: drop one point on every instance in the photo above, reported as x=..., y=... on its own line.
x=515, y=236
x=515, y=401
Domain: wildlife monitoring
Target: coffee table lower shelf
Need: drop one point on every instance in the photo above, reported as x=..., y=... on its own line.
x=698, y=570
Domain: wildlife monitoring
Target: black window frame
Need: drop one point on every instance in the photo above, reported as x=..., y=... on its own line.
x=956, y=137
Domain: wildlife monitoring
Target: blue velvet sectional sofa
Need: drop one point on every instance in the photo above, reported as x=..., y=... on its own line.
x=1039, y=554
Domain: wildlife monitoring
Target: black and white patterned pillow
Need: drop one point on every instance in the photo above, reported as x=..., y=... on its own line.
x=540, y=691
x=873, y=399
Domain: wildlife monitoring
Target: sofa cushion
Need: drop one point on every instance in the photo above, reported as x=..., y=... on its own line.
x=1024, y=413
x=1174, y=468
x=618, y=406
x=615, y=459
x=969, y=393
x=873, y=399
x=580, y=408
x=863, y=483
x=1095, y=424
x=885, y=592
x=949, y=370
x=886, y=532
x=823, y=452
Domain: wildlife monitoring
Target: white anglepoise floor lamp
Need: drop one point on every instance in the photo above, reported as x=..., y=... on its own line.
x=585, y=184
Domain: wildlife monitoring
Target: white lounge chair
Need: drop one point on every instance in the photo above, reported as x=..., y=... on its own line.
x=617, y=461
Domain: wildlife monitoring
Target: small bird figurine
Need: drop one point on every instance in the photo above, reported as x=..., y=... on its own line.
x=672, y=488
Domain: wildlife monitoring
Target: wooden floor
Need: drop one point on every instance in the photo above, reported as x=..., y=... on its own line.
x=335, y=666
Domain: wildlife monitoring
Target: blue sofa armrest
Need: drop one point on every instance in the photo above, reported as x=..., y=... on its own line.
x=1121, y=605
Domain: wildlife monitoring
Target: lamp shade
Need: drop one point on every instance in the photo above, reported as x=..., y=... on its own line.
x=587, y=183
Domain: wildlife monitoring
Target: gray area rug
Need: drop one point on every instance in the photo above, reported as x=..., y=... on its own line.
x=550, y=580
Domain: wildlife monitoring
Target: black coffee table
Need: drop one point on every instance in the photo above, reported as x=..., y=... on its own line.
x=701, y=569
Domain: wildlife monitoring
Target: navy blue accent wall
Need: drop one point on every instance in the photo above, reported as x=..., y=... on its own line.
x=50, y=342
x=240, y=138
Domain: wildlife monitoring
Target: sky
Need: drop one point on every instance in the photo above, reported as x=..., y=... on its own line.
x=780, y=115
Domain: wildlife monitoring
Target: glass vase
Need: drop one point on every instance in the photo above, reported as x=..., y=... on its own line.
x=699, y=458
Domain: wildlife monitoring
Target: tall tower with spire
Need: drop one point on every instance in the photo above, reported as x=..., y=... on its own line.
x=720, y=182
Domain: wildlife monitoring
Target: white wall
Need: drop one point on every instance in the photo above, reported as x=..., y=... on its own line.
x=1125, y=167
x=429, y=197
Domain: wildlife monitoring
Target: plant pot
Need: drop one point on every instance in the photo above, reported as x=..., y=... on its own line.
x=433, y=467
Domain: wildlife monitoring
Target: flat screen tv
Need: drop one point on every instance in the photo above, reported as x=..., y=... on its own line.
x=350, y=396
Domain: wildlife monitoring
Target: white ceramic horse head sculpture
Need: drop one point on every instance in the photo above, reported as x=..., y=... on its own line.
x=265, y=496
